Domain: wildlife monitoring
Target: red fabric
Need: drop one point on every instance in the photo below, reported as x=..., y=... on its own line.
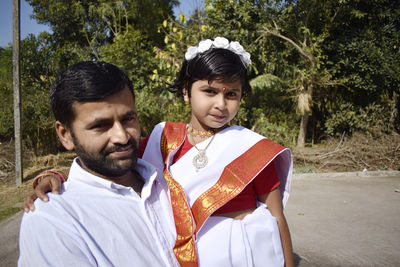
x=142, y=146
x=266, y=181
x=185, y=147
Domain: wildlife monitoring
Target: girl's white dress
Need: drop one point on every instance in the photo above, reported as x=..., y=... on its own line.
x=221, y=241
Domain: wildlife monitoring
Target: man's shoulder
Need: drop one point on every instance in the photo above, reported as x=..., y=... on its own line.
x=59, y=205
x=61, y=209
x=47, y=214
x=54, y=205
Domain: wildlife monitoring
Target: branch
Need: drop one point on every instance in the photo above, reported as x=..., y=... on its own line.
x=275, y=32
x=91, y=45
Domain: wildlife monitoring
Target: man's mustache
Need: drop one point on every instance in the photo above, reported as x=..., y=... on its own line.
x=119, y=147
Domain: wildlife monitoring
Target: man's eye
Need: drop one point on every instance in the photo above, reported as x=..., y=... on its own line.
x=129, y=119
x=99, y=126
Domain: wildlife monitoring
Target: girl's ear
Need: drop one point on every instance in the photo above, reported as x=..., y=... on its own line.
x=64, y=135
x=185, y=95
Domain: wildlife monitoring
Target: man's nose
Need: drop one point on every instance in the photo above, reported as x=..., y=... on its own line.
x=118, y=134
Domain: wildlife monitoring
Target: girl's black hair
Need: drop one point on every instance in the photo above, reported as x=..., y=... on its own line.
x=215, y=63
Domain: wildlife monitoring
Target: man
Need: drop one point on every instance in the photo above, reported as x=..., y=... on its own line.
x=112, y=209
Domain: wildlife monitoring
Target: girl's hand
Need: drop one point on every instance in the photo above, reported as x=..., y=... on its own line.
x=49, y=183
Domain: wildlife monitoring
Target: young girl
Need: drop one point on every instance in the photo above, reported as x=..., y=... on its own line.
x=228, y=185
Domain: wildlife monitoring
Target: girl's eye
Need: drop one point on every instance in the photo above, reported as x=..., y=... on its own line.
x=209, y=91
x=232, y=94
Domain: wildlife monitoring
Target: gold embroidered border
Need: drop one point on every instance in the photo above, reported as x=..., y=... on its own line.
x=234, y=178
x=185, y=248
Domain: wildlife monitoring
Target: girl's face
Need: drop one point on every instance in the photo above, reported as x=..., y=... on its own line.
x=213, y=104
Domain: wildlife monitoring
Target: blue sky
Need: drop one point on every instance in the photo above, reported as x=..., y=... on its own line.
x=29, y=25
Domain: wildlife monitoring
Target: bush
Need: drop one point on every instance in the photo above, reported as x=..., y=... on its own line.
x=283, y=132
x=153, y=108
x=350, y=119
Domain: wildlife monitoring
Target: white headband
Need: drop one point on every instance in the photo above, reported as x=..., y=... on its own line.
x=219, y=42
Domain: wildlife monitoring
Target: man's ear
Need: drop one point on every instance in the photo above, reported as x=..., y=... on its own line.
x=64, y=134
x=185, y=95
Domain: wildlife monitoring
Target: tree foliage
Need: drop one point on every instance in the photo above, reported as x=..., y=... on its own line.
x=88, y=22
x=6, y=96
x=333, y=64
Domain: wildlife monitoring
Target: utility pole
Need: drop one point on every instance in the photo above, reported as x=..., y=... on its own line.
x=16, y=91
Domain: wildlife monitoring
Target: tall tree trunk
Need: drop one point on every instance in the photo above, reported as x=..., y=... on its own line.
x=305, y=109
x=306, y=51
x=301, y=138
x=16, y=91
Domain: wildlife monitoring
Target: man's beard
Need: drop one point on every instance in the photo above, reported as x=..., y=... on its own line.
x=101, y=163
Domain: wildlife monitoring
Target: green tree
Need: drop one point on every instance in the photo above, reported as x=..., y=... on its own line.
x=307, y=42
x=270, y=104
x=324, y=60
x=6, y=105
x=363, y=46
x=345, y=56
x=37, y=72
x=360, y=51
x=95, y=22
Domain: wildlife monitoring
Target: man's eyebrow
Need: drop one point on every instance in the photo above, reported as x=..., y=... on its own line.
x=98, y=121
x=130, y=113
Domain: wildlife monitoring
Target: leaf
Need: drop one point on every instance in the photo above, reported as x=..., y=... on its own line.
x=179, y=36
x=182, y=18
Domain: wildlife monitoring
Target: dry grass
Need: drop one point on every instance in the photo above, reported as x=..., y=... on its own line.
x=11, y=196
x=356, y=153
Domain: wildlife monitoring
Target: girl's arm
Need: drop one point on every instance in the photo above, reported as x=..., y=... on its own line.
x=42, y=184
x=274, y=204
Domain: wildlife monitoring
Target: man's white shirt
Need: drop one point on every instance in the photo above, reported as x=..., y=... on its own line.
x=96, y=222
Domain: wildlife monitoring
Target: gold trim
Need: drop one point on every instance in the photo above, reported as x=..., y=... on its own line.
x=234, y=179
x=185, y=248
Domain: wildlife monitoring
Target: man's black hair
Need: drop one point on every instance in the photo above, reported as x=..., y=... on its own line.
x=85, y=81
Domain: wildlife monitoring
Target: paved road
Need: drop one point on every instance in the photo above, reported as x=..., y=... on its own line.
x=9, y=240
x=347, y=219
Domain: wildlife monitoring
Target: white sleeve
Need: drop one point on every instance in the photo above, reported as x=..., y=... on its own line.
x=49, y=240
